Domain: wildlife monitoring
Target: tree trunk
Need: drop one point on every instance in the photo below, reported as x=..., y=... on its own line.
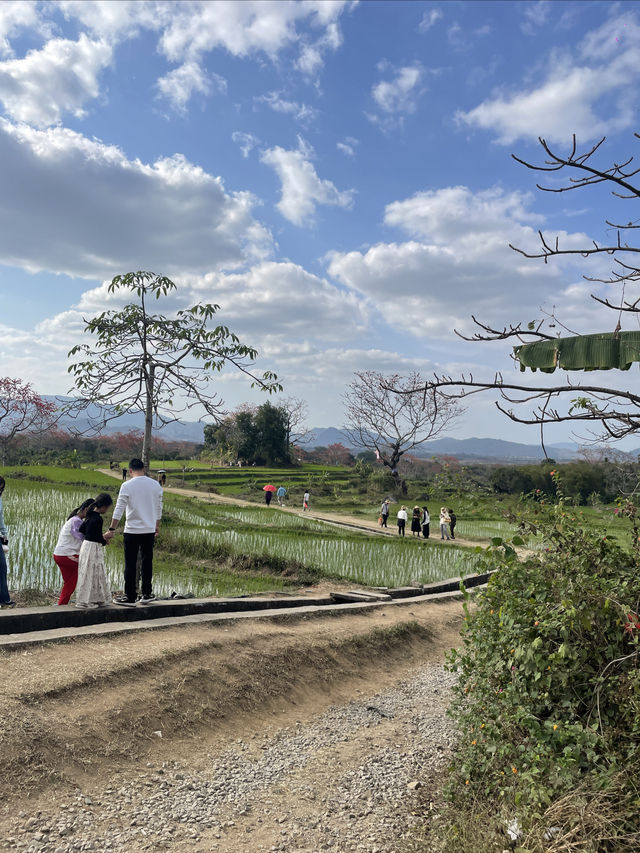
x=148, y=417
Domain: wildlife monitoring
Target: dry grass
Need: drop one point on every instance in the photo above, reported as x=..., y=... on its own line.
x=585, y=821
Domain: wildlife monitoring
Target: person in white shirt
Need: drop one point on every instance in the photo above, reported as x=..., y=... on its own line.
x=140, y=498
x=402, y=520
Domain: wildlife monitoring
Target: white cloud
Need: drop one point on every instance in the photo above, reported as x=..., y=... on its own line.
x=311, y=58
x=458, y=263
x=61, y=77
x=264, y=26
x=429, y=19
x=536, y=15
x=282, y=300
x=348, y=146
x=81, y=207
x=591, y=96
x=113, y=21
x=179, y=85
x=398, y=95
x=302, y=189
x=301, y=112
x=16, y=15
x=246, y=141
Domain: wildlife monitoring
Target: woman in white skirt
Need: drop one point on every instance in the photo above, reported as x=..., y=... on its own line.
x=92, y=589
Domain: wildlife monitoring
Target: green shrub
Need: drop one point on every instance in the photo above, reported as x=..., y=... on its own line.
x=548, y=698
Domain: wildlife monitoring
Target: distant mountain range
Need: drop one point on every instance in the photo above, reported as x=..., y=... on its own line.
x=473, y=449
x=177, y=431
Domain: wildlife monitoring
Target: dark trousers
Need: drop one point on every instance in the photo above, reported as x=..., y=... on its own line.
x=134, y=542
x=425, y=531
x=384, y=520
x=5, y=598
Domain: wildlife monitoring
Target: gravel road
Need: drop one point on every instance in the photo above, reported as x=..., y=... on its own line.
x=343, y=780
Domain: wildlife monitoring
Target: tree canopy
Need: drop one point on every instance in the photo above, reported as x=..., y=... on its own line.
x=386, y=415
x=251, y=435
x=22, y=411
x=139, y=361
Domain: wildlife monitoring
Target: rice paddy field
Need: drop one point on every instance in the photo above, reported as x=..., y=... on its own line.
x=221, y=550
x=201, y=543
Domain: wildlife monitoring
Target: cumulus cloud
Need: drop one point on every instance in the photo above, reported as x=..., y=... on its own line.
x=282, y=300
x=244, y=28
x=397, y=97
x=61, y=77
x=15, y=15
x=179, y=85
x=457, y=263
x=591, y=92
x=75, y=205
x=114, y=21
x=302, y=189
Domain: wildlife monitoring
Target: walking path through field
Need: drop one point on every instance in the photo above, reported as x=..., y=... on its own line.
x=299, y=735
x=363, y=525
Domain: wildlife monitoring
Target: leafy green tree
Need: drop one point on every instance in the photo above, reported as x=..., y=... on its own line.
x=253, y=434
x=271, y=431
x=160, y=366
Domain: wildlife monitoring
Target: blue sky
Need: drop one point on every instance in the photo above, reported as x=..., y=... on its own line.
x=336, y=175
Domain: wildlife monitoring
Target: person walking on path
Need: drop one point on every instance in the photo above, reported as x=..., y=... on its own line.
x=384, y=512
x=402, y=520
x=141, y=499
x=5, y=598
x=415, y=522
x=92, y=589
x=67, y=551
x=280, y=495
x=426, y=520
x=267, y=496
x=305, y=501
x=124, y=473
x=452, y=522
x=444, y=523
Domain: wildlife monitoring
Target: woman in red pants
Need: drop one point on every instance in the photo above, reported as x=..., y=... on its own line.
x=67, y=549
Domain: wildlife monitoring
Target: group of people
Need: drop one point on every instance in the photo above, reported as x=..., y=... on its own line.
x=420, y=520
x=280, y=493
x=79, y=551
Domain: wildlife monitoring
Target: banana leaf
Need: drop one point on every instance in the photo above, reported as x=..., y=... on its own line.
x=603, y=351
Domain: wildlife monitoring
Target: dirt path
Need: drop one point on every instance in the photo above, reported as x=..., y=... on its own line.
x=364, y=525
x=300, y=735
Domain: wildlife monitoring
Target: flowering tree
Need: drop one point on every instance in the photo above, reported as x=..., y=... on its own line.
x=22, y=411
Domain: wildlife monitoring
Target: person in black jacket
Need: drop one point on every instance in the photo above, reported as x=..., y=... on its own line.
x=92, y=589
x=452, y=522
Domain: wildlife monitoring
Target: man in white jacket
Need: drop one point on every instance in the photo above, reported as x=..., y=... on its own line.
x=140, y=498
